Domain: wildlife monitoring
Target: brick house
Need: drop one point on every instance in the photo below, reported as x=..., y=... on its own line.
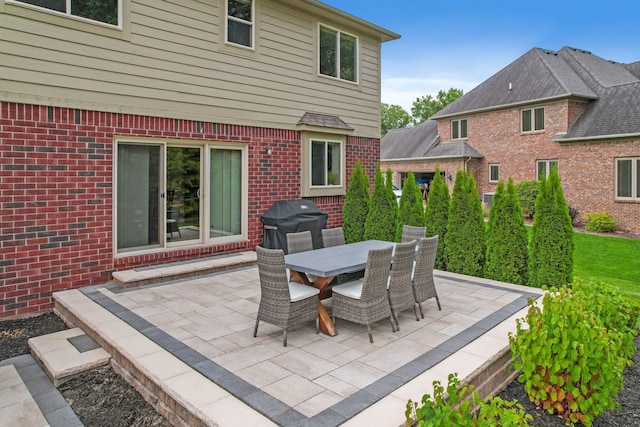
x=144, y=132
x=569, y=109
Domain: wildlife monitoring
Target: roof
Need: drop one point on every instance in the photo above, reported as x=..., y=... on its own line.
x=612, y=90
x=323, y=120
x=423, y=142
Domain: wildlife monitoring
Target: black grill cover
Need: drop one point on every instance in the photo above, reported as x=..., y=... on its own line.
x=292, y=216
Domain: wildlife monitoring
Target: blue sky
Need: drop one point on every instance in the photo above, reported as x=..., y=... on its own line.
x=460, y=44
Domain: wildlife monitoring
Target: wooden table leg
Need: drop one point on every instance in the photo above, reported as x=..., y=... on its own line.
x=326, y=324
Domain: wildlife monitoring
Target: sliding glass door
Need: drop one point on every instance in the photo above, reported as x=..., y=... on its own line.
x=183, y=194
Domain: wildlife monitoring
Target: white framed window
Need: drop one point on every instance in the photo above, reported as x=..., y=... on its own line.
x=459, y=129
x=326, y=163
x=170, y=194
x=532, y=119
x=628, y=178
x=494, y=173
x=240, y=22
x=337, y=54
x=98, y=11
x=544, y=167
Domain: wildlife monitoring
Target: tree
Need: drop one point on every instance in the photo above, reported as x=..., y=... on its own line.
x=356, y=205
x=507, y=239
x=426, y=106
x=465, y=246
x=551, y=248
x=388, y=182
x=393, y=117
x=411, y=210
x=381, y=220
x=437, y=215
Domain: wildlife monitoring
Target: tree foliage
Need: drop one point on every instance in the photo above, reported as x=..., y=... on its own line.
x=465, y=246
x=381, y=220
x=507, y=256
x=356, y=205
x=393, y=116
x=551, y=248
x=411, y=210
x=437, y=215
x=527, y=193
x=426, y=106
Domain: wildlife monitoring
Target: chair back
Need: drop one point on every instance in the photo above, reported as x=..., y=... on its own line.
x=410, y=232
x=402, y=267
x=332, y=237
x=299, y=242
x=274, y=282
x=425, y=260
x=376, y=274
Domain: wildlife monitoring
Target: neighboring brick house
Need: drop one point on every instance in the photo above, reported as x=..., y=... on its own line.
x=569, y=109
x=143, y=132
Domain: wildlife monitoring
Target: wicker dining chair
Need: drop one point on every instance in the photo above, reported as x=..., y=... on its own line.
x=424, y=286
x=332, y=237
x=301, y=242
x=400, y=286
x=283, y=303
x=410, y=232
x=366, y=301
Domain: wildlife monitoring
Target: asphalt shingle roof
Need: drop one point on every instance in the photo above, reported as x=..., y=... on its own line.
x=409, y=142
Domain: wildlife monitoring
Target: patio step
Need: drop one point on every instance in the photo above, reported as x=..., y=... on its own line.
x=66, y=354
x=180, y=270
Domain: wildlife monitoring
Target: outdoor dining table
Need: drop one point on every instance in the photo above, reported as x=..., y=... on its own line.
x=327, y=263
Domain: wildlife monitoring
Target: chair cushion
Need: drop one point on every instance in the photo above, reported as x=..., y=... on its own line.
x=298, y=291
x=351, y=289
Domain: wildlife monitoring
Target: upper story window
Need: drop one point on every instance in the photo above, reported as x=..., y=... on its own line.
x=532, y=119
x=628, y=178
x=544, y=167
x=104, y=11
x=338, y=53
x=494, y=173
x=240, y=22
x=459, y=129
x=326, y=163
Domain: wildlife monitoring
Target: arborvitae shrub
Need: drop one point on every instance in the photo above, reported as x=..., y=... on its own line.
x=356, y=205
x=411, y=210
x=527, y=193
x=381, y=220
x=437, y=215
x=507, y=252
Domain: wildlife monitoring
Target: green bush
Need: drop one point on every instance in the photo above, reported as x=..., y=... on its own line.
x=507, y=239
x=573, y=351
x=465, y=245
x=411, y=209
x=527, y=193
x=461, y=406
x=356, y=205
x=601, y=222
x=551, y=247
x=383, y=213
x=437, y=215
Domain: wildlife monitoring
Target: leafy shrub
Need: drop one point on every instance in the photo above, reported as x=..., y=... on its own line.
x=437, y=214
x=572, y=353
x=356, y=205
x=601, y=222
x=527, y=193
x=458, y=408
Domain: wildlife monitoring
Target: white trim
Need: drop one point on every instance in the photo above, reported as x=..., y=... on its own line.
x=357, y=54
x=634, y=179
x=251, y=24
x=497, y=165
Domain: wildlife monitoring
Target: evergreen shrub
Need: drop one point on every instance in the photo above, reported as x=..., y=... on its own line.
x=411, y=209
x=437, y=215
x=600, y=222
x=356, y=205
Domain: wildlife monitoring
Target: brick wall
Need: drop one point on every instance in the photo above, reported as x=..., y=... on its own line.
x=56, y=172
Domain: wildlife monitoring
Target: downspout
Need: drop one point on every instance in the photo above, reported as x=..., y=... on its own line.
x=465, y=165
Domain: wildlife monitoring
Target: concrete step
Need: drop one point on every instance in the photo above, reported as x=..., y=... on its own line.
x=180, y=270
x=66, y=354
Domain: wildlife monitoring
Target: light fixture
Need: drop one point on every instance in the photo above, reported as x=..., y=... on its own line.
x=268, y=150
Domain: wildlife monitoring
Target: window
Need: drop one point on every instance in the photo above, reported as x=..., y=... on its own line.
x=338, y=54
x=240, y=22
x=544, y=167
x=459, y=129
x=105, y=11
x=170, y=195
x=494, y=173
x=628, y=178
x=326, y=163
x=532, y=119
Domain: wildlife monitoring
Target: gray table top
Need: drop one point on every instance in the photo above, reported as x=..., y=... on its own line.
x=327, y=262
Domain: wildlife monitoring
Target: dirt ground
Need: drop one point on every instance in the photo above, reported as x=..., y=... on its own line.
x=100, y=397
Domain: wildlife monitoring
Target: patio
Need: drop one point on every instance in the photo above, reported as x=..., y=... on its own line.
x=189, y=346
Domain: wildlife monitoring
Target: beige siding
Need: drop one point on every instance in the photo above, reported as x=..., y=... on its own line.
x=170, y=60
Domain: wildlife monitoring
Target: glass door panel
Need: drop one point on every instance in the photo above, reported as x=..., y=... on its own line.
x=226, y=193
x=183, y=194
x=138, y=190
